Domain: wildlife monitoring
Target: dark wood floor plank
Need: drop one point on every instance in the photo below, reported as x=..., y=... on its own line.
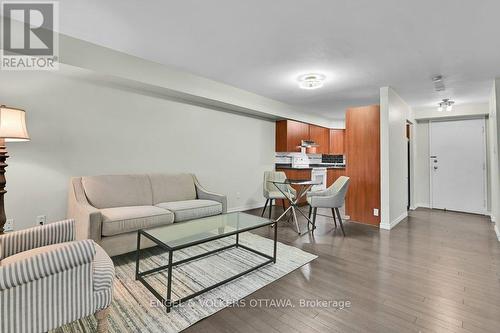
x=435, y=272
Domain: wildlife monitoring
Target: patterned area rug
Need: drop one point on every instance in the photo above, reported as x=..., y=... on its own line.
x=135, y=309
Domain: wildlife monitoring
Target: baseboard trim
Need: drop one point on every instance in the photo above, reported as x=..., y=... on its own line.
x=497, y=231
x=246, y=207
x=393, y=223
x=421, y=205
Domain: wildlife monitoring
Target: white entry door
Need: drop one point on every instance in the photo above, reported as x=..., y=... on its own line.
x=458, y=165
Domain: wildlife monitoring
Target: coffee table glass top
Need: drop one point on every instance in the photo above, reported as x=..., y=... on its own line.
x=182, y=234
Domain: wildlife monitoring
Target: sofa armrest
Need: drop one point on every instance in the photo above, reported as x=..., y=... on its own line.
x=88, y=218
x=32, y=238
x=44, y=264
x=202, y=193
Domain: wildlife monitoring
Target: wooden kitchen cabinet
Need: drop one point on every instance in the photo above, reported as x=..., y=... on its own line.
x=337, y=142
x=332, y=175
x=321, y=136
x=289, y=134
x=363, y=163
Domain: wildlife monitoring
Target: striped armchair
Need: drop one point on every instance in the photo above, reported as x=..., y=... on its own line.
x=47, y=279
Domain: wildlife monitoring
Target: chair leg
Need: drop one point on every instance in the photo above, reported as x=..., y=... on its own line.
x=310, y=211
x=270, y=208
x=102, y=320
x=340, y=221
x=334, y=218
x=315, y=210
x=283, y=203
x=264, y=210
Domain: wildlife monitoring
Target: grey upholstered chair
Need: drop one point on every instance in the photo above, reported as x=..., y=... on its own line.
x=271, y=192
x=333, y=197
x=47, y=279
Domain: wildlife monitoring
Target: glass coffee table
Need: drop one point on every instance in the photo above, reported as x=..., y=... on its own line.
x=178, y=236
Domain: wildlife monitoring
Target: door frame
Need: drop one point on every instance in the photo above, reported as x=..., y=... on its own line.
x=485, y=161
x=411, y=164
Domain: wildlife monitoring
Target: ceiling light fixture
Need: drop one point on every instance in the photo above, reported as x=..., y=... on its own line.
x=446, y=104
x=311, y=81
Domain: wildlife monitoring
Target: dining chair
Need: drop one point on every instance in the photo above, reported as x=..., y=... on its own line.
x=271, y=192
x=333, y=198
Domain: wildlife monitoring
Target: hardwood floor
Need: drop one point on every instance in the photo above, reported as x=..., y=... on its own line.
x=435, y=272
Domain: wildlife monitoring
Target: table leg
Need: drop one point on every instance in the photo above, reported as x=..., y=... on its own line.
x=169, y=281
x=307, y=218
x=275, y=241
x=137, y=255
x=295, y=219
x=237, y=239
x=284, y=213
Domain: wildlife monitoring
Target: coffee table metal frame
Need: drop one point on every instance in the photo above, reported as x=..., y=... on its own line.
x=167, y=301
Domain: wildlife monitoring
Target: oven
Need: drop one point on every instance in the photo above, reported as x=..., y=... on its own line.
x=319, y=175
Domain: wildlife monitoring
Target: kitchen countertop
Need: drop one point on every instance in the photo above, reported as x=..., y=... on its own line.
x=311, y=166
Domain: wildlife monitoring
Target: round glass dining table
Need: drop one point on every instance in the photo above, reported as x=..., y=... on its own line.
x=304, y=185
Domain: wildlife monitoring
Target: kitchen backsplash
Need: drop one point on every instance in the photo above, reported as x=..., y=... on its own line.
x=286, y=158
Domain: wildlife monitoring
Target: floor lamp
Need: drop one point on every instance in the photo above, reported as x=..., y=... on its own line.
x=12, y=129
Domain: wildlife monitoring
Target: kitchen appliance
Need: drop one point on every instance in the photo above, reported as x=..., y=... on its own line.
x=300, y=161
x=319, y=175
x=306, y=145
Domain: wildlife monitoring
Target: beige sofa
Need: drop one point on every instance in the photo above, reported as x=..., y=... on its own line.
x=110, y=209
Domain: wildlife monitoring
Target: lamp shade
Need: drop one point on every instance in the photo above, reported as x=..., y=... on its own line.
x=13, y=124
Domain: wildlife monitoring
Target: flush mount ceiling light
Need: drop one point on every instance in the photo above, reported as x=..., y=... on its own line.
x=311, y=81
x=446, y=104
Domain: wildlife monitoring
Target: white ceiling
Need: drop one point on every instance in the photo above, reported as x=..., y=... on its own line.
x=263, y=45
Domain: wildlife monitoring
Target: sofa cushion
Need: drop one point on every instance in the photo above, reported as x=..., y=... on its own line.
x=192, y=209
x=118, y=190
x=172, y=187
x=120, y=220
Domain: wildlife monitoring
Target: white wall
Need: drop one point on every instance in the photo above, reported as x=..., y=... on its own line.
x=494, y=143
x=80, y=128
x=394, y=112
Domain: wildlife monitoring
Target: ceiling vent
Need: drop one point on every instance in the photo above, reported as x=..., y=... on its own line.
x=438, y=83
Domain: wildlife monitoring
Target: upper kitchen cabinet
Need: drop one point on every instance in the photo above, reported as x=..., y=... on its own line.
x=337, y=142
x=320, y=135
x=289, y=134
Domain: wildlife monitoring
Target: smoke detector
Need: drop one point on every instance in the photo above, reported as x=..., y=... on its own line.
x=438, y=81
